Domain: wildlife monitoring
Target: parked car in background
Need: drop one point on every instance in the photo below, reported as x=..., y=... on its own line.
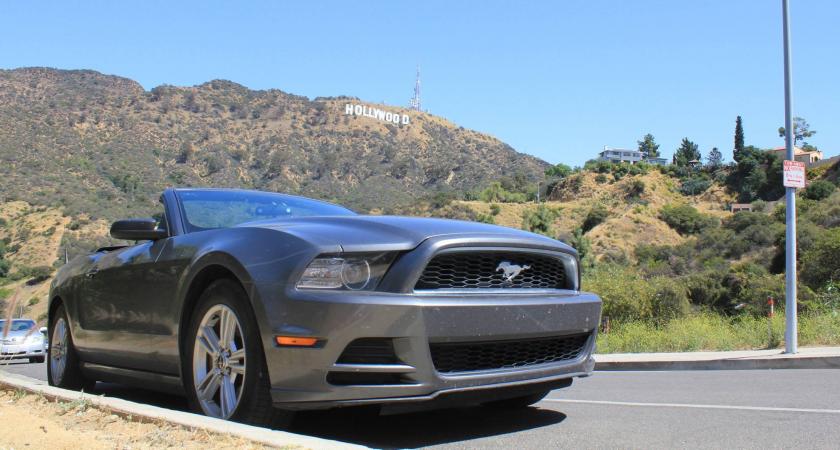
x=21, y=339
x=256, y=304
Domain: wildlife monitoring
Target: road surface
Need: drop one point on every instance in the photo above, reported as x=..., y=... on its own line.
x=706, y=409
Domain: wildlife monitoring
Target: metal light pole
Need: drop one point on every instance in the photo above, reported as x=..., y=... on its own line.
x=791, y=343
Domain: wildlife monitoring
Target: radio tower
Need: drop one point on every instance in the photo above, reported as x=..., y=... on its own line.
x=414, y=103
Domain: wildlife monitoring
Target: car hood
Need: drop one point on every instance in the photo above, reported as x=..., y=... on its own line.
x=392, y=233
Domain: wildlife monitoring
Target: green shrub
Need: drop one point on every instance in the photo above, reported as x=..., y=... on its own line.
x=819, y=190
x=633, y=190
x=497, y=193
x=821, y=263
x=4, y=268
x=495, y=209
x=596, y=216
x=559, y=171
x=626, y=296
x=540, y=220
x=695, y=186
x=685, y=219
x=670, y=301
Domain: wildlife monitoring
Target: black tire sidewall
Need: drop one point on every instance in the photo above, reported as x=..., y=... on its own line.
x=229, y=293
x=72, y=377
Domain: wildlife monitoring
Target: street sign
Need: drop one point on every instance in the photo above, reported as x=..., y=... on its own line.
x=794, y=174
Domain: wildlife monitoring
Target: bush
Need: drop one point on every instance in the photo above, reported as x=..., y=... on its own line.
x=685, y=219
x=626, y=296
x=559, y=171
x=633, y=190
x=540, y=220
x=497, y=193
x=695, y=186
x=596, y=216
x=819, y=190
x=495, y=209
x=670, y=301
x=821, y=263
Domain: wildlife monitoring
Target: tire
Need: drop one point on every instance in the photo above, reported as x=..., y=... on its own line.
x=221, y=366
x=36, y=359
x=64, y=368
x=517, y=402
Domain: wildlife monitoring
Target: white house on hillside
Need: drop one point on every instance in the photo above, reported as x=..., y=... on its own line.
x=619, y=155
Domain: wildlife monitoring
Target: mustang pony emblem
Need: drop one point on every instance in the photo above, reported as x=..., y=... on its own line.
x=510, y=270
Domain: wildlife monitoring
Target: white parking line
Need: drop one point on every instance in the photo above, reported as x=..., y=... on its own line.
x=688, y=405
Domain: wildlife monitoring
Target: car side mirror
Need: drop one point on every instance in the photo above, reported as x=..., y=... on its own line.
x=137, y=230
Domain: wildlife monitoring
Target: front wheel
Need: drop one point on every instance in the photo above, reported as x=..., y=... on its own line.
x=225, y=374
x=36, y=359
x=64, y=368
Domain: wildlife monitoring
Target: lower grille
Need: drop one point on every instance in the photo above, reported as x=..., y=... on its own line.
x=369, y=351
x=489, y=355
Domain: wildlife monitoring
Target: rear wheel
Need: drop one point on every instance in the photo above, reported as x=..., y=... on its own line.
x=517, y=402
x=64, y=368
x=225, y=374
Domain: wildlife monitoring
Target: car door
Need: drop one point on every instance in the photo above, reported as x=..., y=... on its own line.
x=128, y=307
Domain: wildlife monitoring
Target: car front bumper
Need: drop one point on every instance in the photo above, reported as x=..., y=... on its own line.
x=299, y=376
x=20, y=351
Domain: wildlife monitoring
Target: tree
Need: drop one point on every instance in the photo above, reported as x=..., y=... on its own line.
x=715, y=158
x=739, y=140
x=801, y=131
x=560, y=171
x=649, y=147
x=688, y=151
x=819, y=190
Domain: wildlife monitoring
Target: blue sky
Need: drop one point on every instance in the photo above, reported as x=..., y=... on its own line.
x=558, y=80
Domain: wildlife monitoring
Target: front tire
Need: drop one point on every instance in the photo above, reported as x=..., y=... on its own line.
x=64, y=367
x=225, y=374
x=36, y=359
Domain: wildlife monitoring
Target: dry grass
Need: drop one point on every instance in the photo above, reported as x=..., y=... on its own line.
x=32, y=421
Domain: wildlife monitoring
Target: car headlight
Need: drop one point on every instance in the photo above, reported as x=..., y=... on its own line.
x=352, y=272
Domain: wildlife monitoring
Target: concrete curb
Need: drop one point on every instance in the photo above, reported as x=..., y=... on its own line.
x=124, y=407
x=808, y=358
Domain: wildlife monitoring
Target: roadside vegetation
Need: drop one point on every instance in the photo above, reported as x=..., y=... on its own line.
x=676, y=270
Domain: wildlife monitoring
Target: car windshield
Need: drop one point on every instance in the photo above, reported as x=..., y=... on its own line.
x=17, y=325
x=210, y=209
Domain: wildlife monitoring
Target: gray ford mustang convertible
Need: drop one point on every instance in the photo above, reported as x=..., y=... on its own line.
x=256, y=304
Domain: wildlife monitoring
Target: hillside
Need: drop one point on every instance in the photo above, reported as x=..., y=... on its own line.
x=102, y=145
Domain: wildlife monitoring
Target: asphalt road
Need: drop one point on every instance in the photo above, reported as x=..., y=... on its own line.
x=696, y=409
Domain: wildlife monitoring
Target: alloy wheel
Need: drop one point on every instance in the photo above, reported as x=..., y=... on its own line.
x=219, y=362
x=58, y=351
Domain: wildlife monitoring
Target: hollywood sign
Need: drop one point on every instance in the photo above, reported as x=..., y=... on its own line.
x=375, y=113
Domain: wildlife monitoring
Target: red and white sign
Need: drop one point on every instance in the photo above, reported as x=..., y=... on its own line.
x=794, y=174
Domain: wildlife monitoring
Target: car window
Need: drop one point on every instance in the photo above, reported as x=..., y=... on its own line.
x=18, y=325
x=209, y=209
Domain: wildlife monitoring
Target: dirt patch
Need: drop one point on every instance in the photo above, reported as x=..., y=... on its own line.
x=32, y=421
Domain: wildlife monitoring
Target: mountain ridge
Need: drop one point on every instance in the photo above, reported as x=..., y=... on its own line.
x=103, y=145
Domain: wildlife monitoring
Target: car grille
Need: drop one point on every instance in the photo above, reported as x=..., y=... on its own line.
x=488, y=355
x=484, y=270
